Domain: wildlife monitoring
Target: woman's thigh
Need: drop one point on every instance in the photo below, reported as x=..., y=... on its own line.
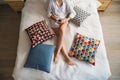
x=56, y=31
x=63, y=27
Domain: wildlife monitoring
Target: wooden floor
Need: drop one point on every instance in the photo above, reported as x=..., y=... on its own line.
x=9, y=29
x=110, y=20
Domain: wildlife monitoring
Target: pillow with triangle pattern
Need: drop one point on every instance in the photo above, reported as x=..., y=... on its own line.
x=81, y=15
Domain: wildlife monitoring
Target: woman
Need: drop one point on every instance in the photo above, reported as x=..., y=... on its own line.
x=60, y=12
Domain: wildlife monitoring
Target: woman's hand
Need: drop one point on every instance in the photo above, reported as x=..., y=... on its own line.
x=65, y=20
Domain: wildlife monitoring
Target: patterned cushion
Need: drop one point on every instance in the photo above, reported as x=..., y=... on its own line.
x=81, y=15
x=84, y=48
x=39, y=32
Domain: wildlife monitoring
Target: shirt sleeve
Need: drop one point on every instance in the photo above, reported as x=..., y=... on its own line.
x=70, y=9
x=50, y=8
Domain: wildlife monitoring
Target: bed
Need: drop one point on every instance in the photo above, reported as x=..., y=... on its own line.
x=34, y=11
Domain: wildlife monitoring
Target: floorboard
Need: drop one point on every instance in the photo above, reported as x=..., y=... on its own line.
x=9, y=30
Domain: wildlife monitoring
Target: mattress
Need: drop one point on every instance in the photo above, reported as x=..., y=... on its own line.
x=34, y=11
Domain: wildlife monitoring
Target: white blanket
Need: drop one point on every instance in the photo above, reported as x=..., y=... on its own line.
x=34, y=11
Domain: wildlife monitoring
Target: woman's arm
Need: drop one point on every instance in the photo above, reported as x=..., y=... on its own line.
x=70, y=9
x=54, y=18
x=50, y=14
x=68, y=18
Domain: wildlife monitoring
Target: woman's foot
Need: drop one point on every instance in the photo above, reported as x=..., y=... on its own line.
x=56, y=56
x=56, y=59
x=69, y=61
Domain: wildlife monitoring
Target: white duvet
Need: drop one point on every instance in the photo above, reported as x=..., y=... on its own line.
x=34, y=11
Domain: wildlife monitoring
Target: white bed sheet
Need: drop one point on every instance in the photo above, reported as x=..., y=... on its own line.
x=34, y=11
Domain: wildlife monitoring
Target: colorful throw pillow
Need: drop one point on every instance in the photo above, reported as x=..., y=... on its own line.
x=81, y=15
x=39, y=32
x=84, y=48
x=40, y=57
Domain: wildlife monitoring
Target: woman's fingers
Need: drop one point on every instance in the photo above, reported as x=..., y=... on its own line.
x=64, y=21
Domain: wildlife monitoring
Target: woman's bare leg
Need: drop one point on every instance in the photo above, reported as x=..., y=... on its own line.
x=67, y=58
x=63, y=50
x=60, y=36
